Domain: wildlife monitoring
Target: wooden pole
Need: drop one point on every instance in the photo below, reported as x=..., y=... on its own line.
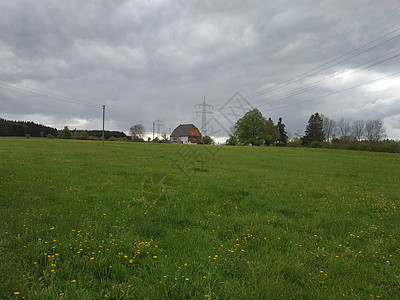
x=104, y=113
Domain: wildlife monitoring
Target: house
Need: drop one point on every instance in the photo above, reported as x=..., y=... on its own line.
x=186, y=134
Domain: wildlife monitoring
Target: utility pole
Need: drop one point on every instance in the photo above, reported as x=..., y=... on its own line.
x=158, y=124
x=104, y=114
x=204, y=111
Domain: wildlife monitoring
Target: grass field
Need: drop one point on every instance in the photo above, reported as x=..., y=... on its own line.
x=156, y=221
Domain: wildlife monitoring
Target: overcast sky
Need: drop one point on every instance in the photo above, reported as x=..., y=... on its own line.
x=60, y=61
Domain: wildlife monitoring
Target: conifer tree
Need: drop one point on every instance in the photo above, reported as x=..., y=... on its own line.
x=314, y=130
x=282, y=133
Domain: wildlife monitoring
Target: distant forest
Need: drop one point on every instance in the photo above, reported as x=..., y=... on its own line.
x=21, y=128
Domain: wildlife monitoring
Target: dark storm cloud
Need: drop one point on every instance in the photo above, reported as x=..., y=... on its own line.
x=150, y=59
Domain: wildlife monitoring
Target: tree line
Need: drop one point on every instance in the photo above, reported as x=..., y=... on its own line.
x=66, y=133
x=321, y=132
x=31, y=129
x=20, y=128
x=320, y=128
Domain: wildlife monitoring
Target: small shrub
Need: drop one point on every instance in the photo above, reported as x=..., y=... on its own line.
x=351, y=146
x=393, y=147
x=28, y=136
x=93, y=138
x=326, y=145
x=295, y=143
x=363, y=147
x=315, y=144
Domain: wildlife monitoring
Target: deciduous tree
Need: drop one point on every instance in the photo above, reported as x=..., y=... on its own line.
x=137, y=132
x=65, y=133
x=271, y=132
x=343, y=128
x=357, y=130
x=328, y=127
x=250, y=129
x=375, y=130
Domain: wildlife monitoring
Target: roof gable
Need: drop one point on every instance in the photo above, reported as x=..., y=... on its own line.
x=183, y=130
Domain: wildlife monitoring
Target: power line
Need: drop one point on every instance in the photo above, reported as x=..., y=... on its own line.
x=333, y=93
x=328, y=64
x=324, y=81
x=38, y=92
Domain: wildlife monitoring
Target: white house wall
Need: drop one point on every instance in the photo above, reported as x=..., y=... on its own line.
x=184, y=139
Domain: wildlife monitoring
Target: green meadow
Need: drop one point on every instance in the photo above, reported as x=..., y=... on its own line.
x=157, y=221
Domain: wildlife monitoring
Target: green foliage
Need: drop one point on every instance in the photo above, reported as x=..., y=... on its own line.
x=80, y=134
x=295, y=143
x=137, y=139
x=271, y=133
x=232, y=141
x=250, y=129
x=120, y=222
x=283, y=137
x=19, y=128
x=65, y=133
x=207, y=140
x=314, y=130
x=93, y=138
x=315, y=144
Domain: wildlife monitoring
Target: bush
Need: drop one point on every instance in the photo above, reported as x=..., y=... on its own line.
x=393, y=147
x=326, y=145
x=295, y=143
x=363, y=147
x=207, y=140
x=351, y=146
x=137, y=139
x=315, y=144
x=65, y=133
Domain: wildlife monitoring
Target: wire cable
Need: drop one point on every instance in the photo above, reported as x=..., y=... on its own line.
x=324, y=81
x=45, y=94
x=332, y=93
x=328, y=64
